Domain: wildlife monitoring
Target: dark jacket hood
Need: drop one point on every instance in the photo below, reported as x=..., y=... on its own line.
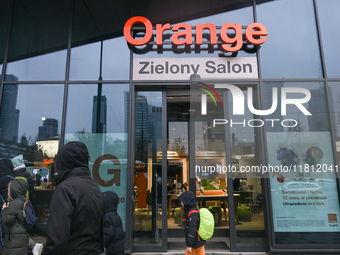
x=18, y=188
x=111, y=201
x=73, y=155
x=188, y=198
x=6, y=167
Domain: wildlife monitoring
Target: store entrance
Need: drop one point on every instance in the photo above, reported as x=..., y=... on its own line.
x=173, y=150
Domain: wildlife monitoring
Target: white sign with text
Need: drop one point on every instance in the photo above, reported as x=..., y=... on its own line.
x=206, y=68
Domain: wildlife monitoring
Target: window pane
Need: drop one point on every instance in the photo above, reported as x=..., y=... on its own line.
x=30, y=120
x=329, y=23
x=107, y=142
x=148, y=179
x=38, y=40
x=26, y=108
x=49, y=66
x=86, y=47
x=304, y=193
x=291, y=49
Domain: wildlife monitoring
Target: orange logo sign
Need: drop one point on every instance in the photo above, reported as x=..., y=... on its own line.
x=256, y=34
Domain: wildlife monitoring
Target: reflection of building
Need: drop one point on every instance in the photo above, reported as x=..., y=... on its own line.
x=148, y=124
x=141, y=123
x=9, y=116
x=103, y=111
x=48, y=130
x=155, y=122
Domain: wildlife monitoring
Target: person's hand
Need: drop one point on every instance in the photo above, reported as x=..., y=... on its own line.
x=5, y=205
x=188, y=249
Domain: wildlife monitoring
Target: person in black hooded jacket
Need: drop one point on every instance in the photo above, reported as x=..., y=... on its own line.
x=6, y=175
x=194, y=243
x=76, y=207
x=114, y=235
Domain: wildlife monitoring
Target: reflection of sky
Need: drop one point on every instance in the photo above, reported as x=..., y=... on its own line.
x=35, y=102
x=330, y=27
x=85, y=61
x=46, y=67
x=291, y=49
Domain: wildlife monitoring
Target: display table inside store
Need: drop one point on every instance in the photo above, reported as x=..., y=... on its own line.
x=224, y=202
x=210, y=195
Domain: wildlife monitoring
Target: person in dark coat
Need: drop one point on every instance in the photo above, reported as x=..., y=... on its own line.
x=76, y=207
x=194, y=243
x=6, y=175
x=114, y=235
x=20, y=170
x=16, y=238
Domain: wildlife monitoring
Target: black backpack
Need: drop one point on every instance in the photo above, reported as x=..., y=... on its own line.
x=30, y=219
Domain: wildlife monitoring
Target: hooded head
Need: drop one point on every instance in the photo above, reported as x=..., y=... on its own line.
x=18, y=162
x=6, y=167
x=17, y=188
x=111, y=201
x=72, y=155
x=188, y=198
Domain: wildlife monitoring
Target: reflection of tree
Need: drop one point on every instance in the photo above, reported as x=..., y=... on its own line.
x=298, y=128
x=179, y=145
x=26, y=146
x=118, y=147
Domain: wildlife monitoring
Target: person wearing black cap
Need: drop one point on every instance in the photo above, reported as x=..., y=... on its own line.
x=194, y=243
x=76, y=207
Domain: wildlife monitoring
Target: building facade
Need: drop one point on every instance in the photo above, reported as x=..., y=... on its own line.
x=249, y=124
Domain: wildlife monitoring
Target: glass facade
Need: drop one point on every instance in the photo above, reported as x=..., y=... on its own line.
x=67, y=75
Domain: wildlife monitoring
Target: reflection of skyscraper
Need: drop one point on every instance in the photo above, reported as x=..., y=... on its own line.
x=141, y=118
x=103, y=113
x=9, y=116
x=48, y=130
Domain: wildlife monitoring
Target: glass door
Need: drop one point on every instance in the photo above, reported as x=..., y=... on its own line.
x=225, y=146
x=149, y=196
x=178, y=105
x=247, y=187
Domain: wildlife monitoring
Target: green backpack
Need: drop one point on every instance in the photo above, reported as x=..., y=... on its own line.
x=207, y=223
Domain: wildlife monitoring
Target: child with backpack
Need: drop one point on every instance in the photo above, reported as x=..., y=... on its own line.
x=194, y=243
x=114, y=235
x=16, y=238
